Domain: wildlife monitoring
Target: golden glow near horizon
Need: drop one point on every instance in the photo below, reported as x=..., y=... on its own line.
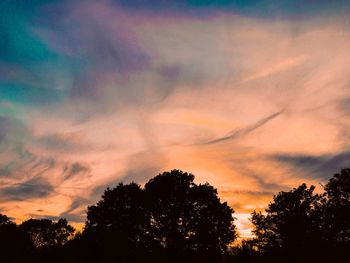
x=252, y=106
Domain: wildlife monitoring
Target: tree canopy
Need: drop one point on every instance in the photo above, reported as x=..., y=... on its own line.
x=171, y=215
x=173, y=219
x=336, y=208
x=301, y=223
x=289, y=224
x=46, y=233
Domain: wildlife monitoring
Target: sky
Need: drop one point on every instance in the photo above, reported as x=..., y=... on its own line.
x=250, y=96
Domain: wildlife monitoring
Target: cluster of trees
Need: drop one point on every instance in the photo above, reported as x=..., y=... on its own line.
x=172, y=219
x=33, y=240
x=301, y=225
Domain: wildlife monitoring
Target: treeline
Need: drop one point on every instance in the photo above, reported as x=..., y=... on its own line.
x=173, y=219
x=301, y=225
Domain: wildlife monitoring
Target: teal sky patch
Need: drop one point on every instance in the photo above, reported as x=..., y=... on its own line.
x=28, y=95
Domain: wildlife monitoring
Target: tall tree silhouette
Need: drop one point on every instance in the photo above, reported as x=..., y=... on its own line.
x=186, y=217
x=290, y=225
x=335, y=216
x=117, y=225
x=171, y=216
x=336, y=212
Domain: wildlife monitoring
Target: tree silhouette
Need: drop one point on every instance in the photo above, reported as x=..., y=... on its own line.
x=14, y=246
x=188, y=218
x=336, y=213
x=334, y=216
x=290, y=224
x=5, y=222
x=45, y=233
x=7, y=230
x=118, y=222
x=171, y=216
x=173, y=219
x=300, y=223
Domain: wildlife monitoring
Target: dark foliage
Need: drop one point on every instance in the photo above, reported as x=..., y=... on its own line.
x=117, y=225
x=290, y=225
x=34, y=240
x=188, y=219
x=336, y=208
x=302, y=226
x=44, y=233
x=172, y=219
x=14, y=245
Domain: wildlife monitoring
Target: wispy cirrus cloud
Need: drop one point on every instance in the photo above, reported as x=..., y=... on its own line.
x=241, y=132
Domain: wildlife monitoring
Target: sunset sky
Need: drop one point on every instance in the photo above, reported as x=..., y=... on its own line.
x=250, y=96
